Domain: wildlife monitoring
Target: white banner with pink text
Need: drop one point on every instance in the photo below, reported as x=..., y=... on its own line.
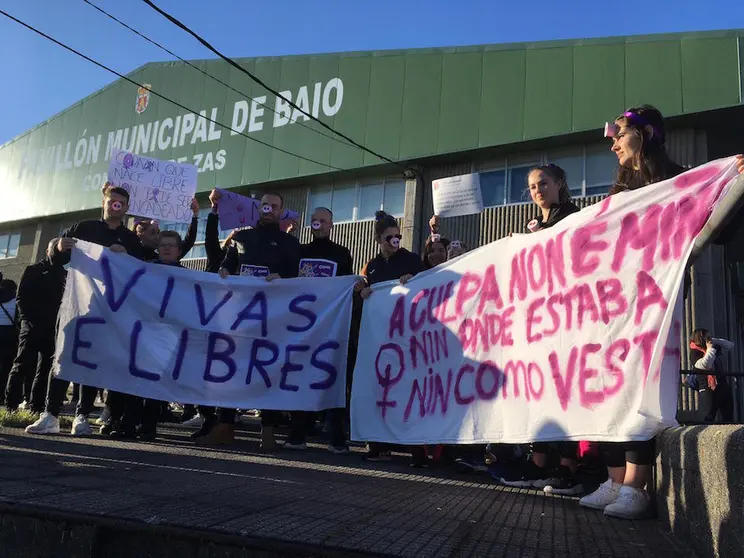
x=570, y=333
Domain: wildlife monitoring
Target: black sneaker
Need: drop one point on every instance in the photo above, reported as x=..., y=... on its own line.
x=531, y=476
x=107, y=428
x=565, y=483
x=374, y=455
x=123, y=433
x=420, y=458
x=469, y=466
x=146, y=434
x=204, y=429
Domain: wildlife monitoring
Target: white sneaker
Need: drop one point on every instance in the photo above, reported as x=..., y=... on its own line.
x=196, y=422
x=605, y=495
x=47, y=424
x=105, y=416
x=632, y=503
x=81, y=426
x=23, y=406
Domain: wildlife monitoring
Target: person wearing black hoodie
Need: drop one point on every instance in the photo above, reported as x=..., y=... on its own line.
x=112, y=233
x=39, y=297
x=322, y=248
x=264, y=251
x=392, y=262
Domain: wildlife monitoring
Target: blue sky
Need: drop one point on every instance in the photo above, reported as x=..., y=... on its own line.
x=41, y=79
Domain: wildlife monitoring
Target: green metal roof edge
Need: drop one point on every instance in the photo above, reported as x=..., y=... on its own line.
x=627, y=39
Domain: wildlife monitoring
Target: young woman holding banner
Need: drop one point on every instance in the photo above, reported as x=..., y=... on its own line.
x=393, y=262
x=548, y=187
x=639, y=142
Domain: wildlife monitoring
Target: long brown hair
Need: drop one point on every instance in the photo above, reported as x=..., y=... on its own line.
x=700, y=337
x=557, y=174
x=652, y=163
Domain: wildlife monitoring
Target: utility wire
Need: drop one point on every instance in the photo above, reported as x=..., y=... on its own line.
x=255, y=78
x=198, y=69
x=122, y=76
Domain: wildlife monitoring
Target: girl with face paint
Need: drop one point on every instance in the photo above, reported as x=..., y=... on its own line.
x=392, y=262
x=639, y=142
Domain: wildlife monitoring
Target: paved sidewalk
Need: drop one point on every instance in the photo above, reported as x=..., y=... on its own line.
x=320, y=500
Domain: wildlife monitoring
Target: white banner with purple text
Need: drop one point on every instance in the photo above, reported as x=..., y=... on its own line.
x=570, y=333
x=173, y=334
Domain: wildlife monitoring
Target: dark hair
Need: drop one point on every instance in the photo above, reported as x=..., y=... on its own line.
x=429, y=245
x=171, y=234
x=116, y=190
x=652, y=164
x=281, y=198
x=322, y=208
x=700, y=337
x=559, y=175
x=384, y=221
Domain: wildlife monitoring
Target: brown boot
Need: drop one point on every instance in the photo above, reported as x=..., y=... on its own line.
x=221, y=435
x=268, y=441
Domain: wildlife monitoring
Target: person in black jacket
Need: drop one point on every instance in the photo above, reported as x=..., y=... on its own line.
x=393, y=262
x=264, y=251
x=149, y=234
x=549, y=190
x=322, y=248
x=8, y=330
x=112, y=233
x=548, y=187
x=141, y=414
x=39, y=297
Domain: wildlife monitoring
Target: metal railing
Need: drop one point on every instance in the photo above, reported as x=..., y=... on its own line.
x=691, y=416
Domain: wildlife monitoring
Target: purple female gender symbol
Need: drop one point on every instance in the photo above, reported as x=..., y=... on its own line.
x=128, y=160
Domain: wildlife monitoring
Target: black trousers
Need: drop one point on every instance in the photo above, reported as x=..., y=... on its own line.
x=29, y=375
x=8, y=344
x=616, y=454
x=567, y=450
x=57, y=391
x=710, y=402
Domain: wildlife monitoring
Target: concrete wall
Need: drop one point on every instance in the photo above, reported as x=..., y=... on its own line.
x=699, y=493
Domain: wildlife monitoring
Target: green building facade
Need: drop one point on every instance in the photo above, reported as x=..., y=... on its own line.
x=493, y=109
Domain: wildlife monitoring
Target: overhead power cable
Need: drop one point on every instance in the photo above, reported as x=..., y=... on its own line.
x=260, y=82
x=165, y=98
x=207, y=74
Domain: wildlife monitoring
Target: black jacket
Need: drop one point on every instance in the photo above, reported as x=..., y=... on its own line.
x=40, y=294
x=401, y=263
x=98, y=232
x=325, y=249
x=557, y=213
x=267, y=246
x=215, y=253
x=150, y=254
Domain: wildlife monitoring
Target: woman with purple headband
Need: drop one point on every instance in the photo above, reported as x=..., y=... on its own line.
x=639, y=142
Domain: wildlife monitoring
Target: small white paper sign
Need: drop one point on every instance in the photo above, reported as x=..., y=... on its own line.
x=161, y=190
x=457, y=195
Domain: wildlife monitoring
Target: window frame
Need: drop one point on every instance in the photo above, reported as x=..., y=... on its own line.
x=359, y=184
x=544, y=157
x=6, y=248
